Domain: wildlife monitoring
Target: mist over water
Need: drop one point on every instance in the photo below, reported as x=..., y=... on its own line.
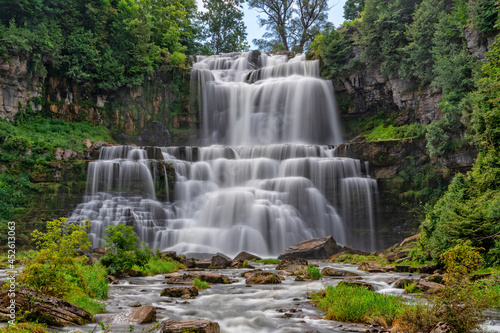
x=265, y=177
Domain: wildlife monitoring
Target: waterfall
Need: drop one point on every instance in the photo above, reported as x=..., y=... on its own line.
x=265, y=177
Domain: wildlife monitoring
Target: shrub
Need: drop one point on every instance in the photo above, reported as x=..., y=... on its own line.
x=198, y=284
x=156, y=265
x=120, y=237
x=24, y=328
x=313, y=272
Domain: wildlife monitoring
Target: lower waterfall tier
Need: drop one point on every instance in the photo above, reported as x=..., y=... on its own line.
x=229, y=199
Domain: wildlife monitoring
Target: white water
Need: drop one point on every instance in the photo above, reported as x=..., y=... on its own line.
x=272, y=187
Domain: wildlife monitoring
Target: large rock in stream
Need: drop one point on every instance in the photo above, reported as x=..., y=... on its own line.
x=191, y=325
x=316, y=248
x=43, y=308
x=188, y=279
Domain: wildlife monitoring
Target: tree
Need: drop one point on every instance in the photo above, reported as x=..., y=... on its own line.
x=223, y=28
x=277, y=20
x=353, y=8
x=312, y=16
x=290, y=24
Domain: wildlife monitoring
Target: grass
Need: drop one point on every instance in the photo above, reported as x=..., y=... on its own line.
x=43, y=134
x=198, y=284
x=158, y=265
x=24, y=328
x=95, y=281
x=358, y=259
x=381, y=127
x=85, y=302
x=269, y=261
x=357, y=305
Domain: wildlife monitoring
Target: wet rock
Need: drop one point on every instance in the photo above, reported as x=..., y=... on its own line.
x=429, y=287
x=212, y=278
x=442, y=327
x=189, y=262
x=438, y=278
x=135, y=304
x=242, y=256
x=261, y=277
x=191, y=325
x=389, y=269
x=358, y=283
x=371, y=267
x=144, y=315
x=402, y=282
x=111, y=278
x=291, y=263
x=219, y=262
x=329, y=271
x=203, y=263
x=170, y=254
x=317, y=248
x=241, y=264
x=133, y=273
x=179, y=291
x=43, y=308
x=403, y=268
x=428, y=269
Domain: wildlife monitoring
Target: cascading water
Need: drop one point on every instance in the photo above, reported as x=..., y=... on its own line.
x=271, y=187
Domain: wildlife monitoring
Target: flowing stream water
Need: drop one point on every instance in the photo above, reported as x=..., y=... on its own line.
x=265, y=177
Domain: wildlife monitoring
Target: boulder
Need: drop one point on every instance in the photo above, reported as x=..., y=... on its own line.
x=143, y=315
x=428, y=269
x=438, y=278
x=241, y=264
x=212, y=278
x=371, y=267
x=135, y=304
x=261, y=277
x=358, y=283
x=170, y=254
x=329, y=271
x=219, y=262
x=179, y=291
x=316, y=248
x=43, y=308
x=402, y=268
x=203, y=263
x=191, y=325
x=403, y=282
x=429, y=287
x=291, y=263
x=242, y=256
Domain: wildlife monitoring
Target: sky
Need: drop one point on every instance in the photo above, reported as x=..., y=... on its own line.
x=256, y=32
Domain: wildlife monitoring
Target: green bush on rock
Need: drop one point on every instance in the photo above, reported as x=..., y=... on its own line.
x=57, y=268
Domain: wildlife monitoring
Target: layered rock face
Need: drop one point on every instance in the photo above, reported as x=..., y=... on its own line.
x=17, y=87
x=364, y=90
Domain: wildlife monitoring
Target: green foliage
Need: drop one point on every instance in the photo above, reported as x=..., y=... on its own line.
x=313, y=272
x=224, y=29
x=58, y=269
x=120, y=237
x=334, y=49
x=198, y=284
x=358, y=259
x=110, y=44
x=418, y=61
x=412, y=288
x=460, y=260
x=24, y=328
x=484, y=15
x=13, y=192
x=384, y=32
x=156, y=265
x=269, y=261
x=353, y=9
x=357, y=304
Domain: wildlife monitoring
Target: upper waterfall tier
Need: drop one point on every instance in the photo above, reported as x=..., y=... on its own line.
x=283, y=101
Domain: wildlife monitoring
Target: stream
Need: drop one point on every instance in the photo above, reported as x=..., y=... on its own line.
x=235, y=307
